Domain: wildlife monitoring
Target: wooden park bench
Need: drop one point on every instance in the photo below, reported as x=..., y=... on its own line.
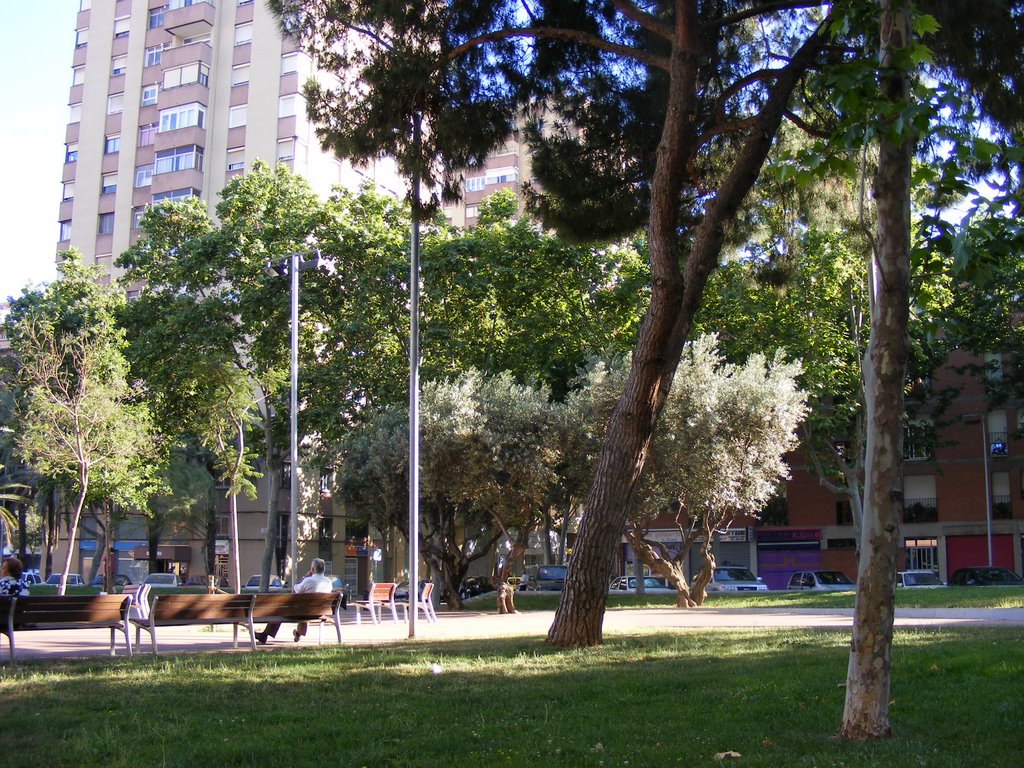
x=37, y=612
x=425, y=604
x=291, y=608
x=380, y=595
x=183, y=610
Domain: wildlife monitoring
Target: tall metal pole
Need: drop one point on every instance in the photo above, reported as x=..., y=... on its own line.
x=293, y=496
x=414, y=386
x=985, y=448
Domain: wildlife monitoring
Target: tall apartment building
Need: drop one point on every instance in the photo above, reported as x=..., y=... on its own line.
x=172, y=98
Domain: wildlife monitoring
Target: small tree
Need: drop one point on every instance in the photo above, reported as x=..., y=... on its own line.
x=79, y=422
x=719, y=455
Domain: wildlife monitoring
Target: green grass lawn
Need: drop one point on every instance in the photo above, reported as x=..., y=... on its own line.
x=640, y=700
x=946, y=597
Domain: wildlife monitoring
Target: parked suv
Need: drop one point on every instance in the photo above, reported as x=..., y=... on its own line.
x=731, y=578
x=985, y=576
x=74, y=579
x=820, y=581
x=549, y=578
x=162, y=580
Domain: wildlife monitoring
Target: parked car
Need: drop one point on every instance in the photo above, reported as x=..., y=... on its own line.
x=548, y=578
x=197, y=581
x=74, y=579
x=985, y=576
x=731, y=578
x=653, y=585
x=162, y=580
x=253, y=584
x=31, y=577
x=820, y=581
x=921, y=578
x=119, y=580
x=475, y=585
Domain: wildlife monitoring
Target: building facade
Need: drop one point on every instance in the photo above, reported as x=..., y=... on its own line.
x=171, y=99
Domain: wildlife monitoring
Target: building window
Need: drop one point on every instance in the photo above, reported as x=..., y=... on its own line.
x=75, y=113
x=178, y=159
x=185, y=116
x=121, y=27
x=106, y=224
x=111, y=145
x=505, y=176
x=137, y=213
x=115, y=103
x=204, y=38
x=71, y=152
x=149, y=95
x=77, y=75
x=840, y=543
x=175, y=194
x=475, y=184
x=285, y=149
x=922, y=554
x=844, y=512
x=81, y=37
x=108, y=183
x=143, y=177
x=196, y=72
x=69, y=190
x=289, y=63
x=920, y=511
x=236, y=159
x=153, y=56
x=156, y=17
x=118, y=65
x=288, y=106
x=65, y=230
x=237, y=116
x=147, y=134
x=240, y=74
x=471, y=211
x=243, y=33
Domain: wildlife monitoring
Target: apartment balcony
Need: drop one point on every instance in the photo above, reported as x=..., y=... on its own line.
x=66, y=209
x=920, y=511
x=168, y=182
x=180, y=137
x=75, y=95
x=189, y=18
x=71, y=134
x=186, y=54
x=70, y=171
x=184, y=94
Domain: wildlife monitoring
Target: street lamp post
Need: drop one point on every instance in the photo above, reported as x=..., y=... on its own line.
x=293, y=264
x=970, y=418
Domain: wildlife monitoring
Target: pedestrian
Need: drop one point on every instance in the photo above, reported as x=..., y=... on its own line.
x=11, y=582
x=315, y=581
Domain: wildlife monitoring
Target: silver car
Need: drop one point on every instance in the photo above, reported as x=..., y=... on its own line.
x=820, y=581
x=653, y=585
x=921, y=578
x=732, y=578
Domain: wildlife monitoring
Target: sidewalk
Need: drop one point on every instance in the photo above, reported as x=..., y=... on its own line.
x=482, y=624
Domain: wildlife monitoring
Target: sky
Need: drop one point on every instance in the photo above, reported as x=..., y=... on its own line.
x=37, y=39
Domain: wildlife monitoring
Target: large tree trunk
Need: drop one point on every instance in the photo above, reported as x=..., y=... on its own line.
x=675, y=298
x=866, y=714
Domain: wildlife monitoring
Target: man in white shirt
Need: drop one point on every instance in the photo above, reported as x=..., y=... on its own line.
x=315, y=581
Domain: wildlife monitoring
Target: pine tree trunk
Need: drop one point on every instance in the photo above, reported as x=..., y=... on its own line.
x=866, y=714
x=675, y=298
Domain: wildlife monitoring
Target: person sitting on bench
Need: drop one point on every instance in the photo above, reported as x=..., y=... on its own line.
x=11, y=582
x=315, y=581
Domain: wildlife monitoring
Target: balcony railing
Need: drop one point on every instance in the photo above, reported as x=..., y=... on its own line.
x=1001, y=509
x=920, y=511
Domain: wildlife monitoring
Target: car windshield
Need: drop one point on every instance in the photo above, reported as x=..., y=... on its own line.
x=832, y=577
x=734, y=574
x=921, y=579
x=1000, y=576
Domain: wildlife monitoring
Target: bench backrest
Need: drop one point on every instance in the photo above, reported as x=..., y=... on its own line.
x=383, y=592
x=309, y=605
x=200, y=607
x=35, y=610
